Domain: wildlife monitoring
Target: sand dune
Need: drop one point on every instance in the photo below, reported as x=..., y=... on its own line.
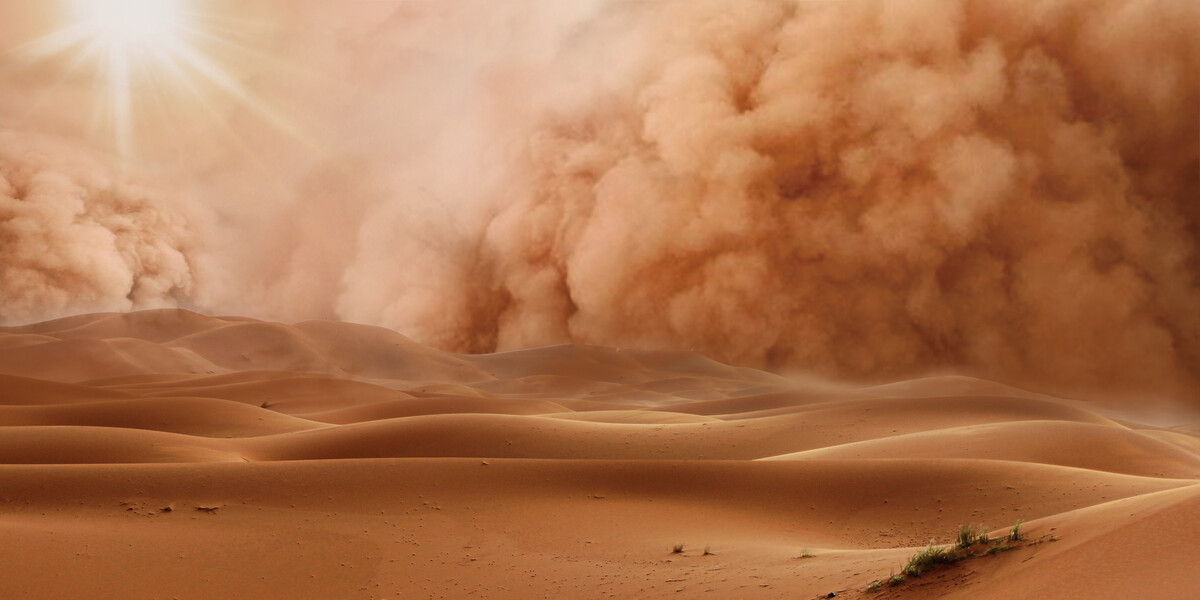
x=193, y=416
x=82, y=359
x=49, y=445
x=227, y=457
x=281, y=391
x=1082, y=445
x=156, y=326
x=25, y=391
x=1130, y=539
x=441, y=405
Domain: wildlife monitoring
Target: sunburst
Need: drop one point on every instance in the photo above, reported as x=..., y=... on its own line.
x=143, y=52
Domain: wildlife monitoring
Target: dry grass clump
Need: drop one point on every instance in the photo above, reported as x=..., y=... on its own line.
x=964, y=540
x=926, y=559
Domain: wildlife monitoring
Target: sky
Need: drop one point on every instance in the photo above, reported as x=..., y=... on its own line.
x=863, y=189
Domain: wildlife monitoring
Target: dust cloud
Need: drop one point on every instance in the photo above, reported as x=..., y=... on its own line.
x=862, y=189
x=73, y=240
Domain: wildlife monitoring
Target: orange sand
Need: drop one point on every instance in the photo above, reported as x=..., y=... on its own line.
x=164, y=454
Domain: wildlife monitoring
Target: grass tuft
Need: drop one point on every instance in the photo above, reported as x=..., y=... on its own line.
x=923, y=560
x=965, y=537
x=707, y=550
x=1014, y=534
x=961, y=549
x=677, y=549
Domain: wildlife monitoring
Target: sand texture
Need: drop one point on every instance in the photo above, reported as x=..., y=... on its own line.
x=165, y=454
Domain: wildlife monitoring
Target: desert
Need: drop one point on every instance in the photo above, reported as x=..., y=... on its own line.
x=165, y=454
x=629, y=299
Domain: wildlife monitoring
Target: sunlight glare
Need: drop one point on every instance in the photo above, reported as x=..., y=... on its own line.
x=130, y=24
x=126, y=35
x=148, y=60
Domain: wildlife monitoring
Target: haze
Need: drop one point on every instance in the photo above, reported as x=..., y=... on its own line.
x=859, y=189
x=599, y=298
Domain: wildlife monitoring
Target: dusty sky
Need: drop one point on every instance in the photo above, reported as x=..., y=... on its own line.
x=860, y=189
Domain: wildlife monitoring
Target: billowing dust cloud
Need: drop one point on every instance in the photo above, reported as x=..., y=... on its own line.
x=863, y=189
x=860, y=188
x=72, y=240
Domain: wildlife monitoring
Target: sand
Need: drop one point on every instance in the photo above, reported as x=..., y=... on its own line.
x=166, y=454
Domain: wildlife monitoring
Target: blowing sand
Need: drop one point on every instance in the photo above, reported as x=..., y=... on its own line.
x=165, y=454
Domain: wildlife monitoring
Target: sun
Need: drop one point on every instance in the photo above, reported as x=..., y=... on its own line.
x=147, y=58
x=131, y=25
x=129, y=38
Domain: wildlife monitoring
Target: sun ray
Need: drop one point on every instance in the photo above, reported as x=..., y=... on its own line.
x=146, y=54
